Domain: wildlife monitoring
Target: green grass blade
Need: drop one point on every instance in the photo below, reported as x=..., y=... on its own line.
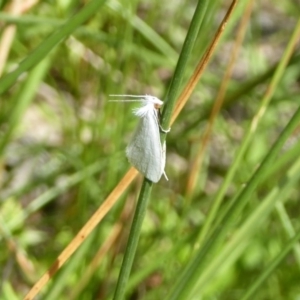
x=133, y=239
x=147, y=185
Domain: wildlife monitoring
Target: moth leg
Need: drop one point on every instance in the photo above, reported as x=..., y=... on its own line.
x=158, y=118
x=165, y=130
x=164, y=173
x=163, y=149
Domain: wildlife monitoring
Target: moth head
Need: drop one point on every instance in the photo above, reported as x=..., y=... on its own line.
x=154, y=100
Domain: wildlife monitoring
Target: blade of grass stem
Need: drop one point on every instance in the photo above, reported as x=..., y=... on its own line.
x=133, y=239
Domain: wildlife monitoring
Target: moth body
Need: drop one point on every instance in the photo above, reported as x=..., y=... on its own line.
x=145, y=150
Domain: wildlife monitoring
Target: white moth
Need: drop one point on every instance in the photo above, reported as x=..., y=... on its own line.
x=145, y=151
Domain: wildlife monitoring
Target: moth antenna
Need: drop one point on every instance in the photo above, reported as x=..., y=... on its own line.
x=125, y=95
x=126, y=100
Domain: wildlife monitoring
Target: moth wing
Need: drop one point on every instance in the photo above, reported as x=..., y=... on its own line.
x=144, y=151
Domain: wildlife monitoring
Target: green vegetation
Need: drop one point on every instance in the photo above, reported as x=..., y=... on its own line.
x=226, y=225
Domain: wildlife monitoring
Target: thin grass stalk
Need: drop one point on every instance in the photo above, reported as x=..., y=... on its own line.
x=166, y=118
x=49, y=43
x=188, y=279
x=133, y=239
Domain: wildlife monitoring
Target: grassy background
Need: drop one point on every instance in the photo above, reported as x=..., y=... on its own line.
x=62, y=150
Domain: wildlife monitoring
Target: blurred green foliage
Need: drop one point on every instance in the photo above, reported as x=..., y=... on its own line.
x=62, y=147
